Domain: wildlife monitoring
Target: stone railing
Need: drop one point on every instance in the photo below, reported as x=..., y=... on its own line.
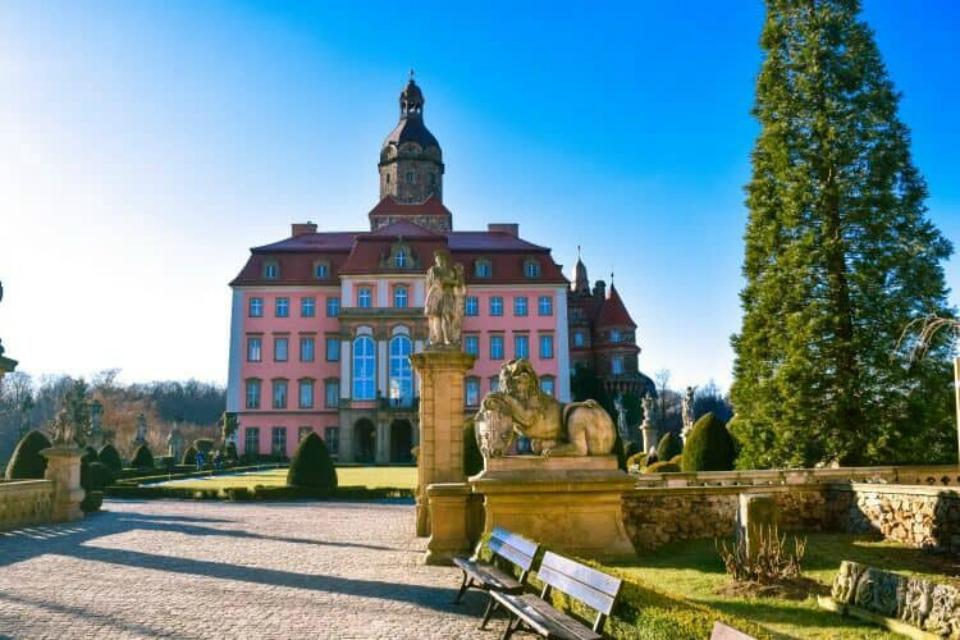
x=945, y=475
x=25, y=502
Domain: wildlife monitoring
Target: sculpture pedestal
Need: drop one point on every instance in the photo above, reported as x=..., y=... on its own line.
x=63, y=467
x=649, y=436
x=570, y=505
x=440, y=459
x=449, y=522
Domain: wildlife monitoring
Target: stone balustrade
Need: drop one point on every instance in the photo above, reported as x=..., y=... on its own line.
x=943, y=475
x=25, y=502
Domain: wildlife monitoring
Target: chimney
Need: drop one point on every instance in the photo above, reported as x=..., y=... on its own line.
x=302, y=228
x=511, y=229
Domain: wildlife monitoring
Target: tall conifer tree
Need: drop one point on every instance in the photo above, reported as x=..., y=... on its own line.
x=839, y=257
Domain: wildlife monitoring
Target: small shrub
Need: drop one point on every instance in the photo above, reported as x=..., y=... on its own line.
x=662, y=467
x=677, y=460
x=203, y=445
x=189, y=457
x=27, y=463
x=142, y=458
x=312, y=466
x=95, y=476
x=632, y=449
x=772, y=563
x=638, y=460
x=89, y=456
x=230, y=452
x=472, y=458
x=669, y=446
x=709, y=446
x=92, y=501
x=111, y=457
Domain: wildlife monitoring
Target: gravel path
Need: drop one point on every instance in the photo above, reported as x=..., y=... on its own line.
x=183, y=569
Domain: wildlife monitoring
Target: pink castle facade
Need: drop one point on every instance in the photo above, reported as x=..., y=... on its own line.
x=323, y=323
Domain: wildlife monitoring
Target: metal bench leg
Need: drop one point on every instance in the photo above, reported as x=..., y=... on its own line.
x=491, y=607
x=463, y=588
x=510, y=628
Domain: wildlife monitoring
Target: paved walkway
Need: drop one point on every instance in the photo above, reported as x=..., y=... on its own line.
x=181, y=569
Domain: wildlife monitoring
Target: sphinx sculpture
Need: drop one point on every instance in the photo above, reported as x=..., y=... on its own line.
x=519, y=407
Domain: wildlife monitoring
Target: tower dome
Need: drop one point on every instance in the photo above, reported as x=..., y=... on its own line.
x=411, y=162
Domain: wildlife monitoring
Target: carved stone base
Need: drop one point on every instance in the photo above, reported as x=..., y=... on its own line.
x=63, y=467
x=570, y=505
x=448, y=516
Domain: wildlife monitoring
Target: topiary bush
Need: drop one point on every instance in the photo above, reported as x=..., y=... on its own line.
x=27, y=463
x=632, y=449
x=669, y=446
x=709, y=446
x=677, y=459
x=662, y=467
x=472, y=458
x=95, y=476
x=142, y=458
x=230, y=452
x=189, y=456
x=111, y=458
x=637, y=460
x=89, y=456
x=92, y=501
x=203, y=445
x=312, y=467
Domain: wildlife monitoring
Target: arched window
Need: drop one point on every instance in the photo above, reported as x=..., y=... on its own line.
x=364, y=368
x=401, y=373
x=400, y=296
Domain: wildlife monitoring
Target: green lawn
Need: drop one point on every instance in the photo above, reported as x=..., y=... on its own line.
x=370, y=477
x=693, y=570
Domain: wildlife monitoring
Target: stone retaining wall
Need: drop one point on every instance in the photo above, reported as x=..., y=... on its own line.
x=939, y=475
x=654, y=517
x=25, y=502
x=923, y=517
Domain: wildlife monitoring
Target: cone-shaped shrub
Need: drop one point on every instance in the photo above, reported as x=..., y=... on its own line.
x=89, y=456
x=111, y=458
x=142, y=458
x=472, y=458
x=662, y=467
x=27, y=463
x=312, y=466
x=709, y=446
x=189, y=456
x=203, y=445
x=95, y=476
x=669, y=446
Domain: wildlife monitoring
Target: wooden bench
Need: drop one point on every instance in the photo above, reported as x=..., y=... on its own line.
x=528, y=612
x=723, y=632
x=508, y=547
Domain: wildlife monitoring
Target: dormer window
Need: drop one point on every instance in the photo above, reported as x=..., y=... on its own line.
x=483, y=268
x=531, y=269
x=615, y=335
x=400, y=260
x=321, y=270
x=271, y=270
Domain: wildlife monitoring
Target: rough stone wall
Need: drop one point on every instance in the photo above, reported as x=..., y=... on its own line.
x=917, y=516
x=26, y=502
x=654, y=517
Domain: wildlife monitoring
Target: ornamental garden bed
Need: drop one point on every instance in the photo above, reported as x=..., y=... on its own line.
x=692, y=570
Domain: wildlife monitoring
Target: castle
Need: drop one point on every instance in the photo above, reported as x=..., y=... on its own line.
x=323, y=323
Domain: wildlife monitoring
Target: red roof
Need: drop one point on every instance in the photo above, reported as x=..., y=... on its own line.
x=613, y=313
x=430, y=207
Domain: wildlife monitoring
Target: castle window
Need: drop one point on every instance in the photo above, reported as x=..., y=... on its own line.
x=616, y=365
x=331, y=394
x=548, y=385
x=496, y=347
x=471, y=306
x=331, y=437
x=579, y=339
x=256, y=307
x=271, y=270
x=254, y=349
x=281, y=349
x=401, y=372
x=308, y=307
x=364, y=297
x=306, y=394
x=321, y=270
x=472, y=391
x=253, y=393
x=307, y=348
x=251, y=439
x=332, y=345
x=483, y=268
x=615, y=335
x=545, y=306
x=546, y=346
x=531, y=269
x=364, y=368
x=494, y=384
x=400, y=297
x=496, y=305
x=278, y=441
x=410, y=177
x=471, y=345
x=400, y=260
x=333, y=307
x=281, y=308
x=521, y=345
x=520, y=306
x=388, y=178
x=280, y=394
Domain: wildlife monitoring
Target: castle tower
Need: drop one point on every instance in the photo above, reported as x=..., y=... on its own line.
x=411, y=163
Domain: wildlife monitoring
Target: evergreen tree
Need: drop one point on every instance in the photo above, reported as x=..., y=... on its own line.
x=839, y=257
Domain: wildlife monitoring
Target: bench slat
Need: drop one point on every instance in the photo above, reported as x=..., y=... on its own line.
x=595, y=599
x=489, y=576
x=523, y=545
x=545, y=620
x=511, y=553
x=596, y=580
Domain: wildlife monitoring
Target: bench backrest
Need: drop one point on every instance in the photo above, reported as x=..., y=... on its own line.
x=723, y=632
x=595, y=589
x=513, y=548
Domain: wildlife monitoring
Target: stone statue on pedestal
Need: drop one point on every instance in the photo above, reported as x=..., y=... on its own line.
x=443, y=306
x=6, y=364
x=686, y=413
x=175, y=443
x=95, y=437
x=646, y=428
x=141, y=437
x=64, y=430
x=622, y=427
x=554, y=429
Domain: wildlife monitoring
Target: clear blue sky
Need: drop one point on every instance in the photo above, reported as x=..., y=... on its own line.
x=145, y=146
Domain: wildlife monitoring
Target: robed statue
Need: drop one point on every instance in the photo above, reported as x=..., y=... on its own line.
x=443, y=307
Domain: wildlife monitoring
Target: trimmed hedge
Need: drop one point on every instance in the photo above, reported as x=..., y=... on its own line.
x=669, y=446
x=189, y=456
x=27, y=463
x=312, y=466
x=111, y=457
x=709, y=446
x=94, y=476
x=472, y=458
x=92, y=501
x=662, y=467
x=142, y=458
x=89, y=456
x=259, y=492
x=637, y=460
